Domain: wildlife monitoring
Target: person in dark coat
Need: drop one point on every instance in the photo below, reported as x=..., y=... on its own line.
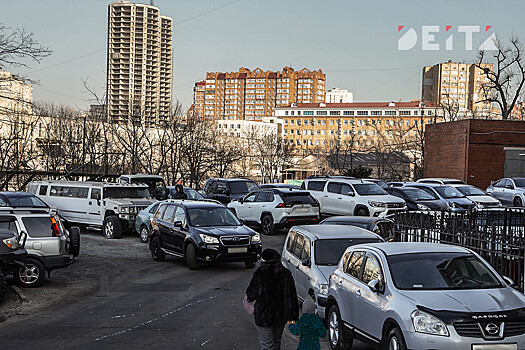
x=273, y=289
x=179, y=192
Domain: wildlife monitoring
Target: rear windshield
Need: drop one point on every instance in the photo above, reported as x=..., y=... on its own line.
x=192, y=194
x=38, y=227
x=8, y=223
x=21, y=200
x=125, y=192
x=418, y=195
x=240, y=187
x=328, y=252
x=449, y=192
x=297, y=198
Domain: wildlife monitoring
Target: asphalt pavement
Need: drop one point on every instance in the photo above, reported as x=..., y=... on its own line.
x=137, y=303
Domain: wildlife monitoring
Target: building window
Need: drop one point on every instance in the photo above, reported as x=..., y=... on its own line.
x=322, y=113
x=376, y=112
x=308, y=113
x=404, y=112
x=335, y=113
x=348, y=112
x=362, y=112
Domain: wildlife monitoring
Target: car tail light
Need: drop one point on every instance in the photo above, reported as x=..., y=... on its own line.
x=55, y=228
x=315, y=204
x=282, y=205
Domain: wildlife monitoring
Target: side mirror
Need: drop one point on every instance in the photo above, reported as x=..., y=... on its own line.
x=509, y=280
x=177, y=224
x=375, y=285
x=351, y=194
x=22, y=239
x=305, y=262
x=510, y=187
x=226, y=193
x=241, y=200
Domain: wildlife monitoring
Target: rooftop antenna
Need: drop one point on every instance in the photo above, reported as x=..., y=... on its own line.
x=152, y=2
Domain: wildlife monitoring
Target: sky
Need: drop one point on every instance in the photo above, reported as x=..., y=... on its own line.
x=355, y=43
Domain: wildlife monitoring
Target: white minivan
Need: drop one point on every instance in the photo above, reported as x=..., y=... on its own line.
x=112, y=207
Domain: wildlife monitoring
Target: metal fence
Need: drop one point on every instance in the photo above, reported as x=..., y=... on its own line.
x=498, y=235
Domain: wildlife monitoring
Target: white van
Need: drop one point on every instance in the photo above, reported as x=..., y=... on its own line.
x=112, y=207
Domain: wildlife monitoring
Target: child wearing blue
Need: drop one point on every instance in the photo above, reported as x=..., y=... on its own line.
x=309, y=327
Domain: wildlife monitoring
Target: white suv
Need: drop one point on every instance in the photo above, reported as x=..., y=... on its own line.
x=346, y=196
x=274, y=208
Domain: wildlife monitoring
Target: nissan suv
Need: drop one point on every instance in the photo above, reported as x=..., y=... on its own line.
x=423, y=296
x=202, y=232
x=273, y=209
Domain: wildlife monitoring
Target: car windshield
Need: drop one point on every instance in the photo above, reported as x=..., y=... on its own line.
x=216, y=216
x=125, y=192
x=470, y=191
x=328, y=252
x=519, y=181
x=192, y=194
x=449, y=192
x=241, y=187
x=156, y=186
x=431, y=271
x=418, y=195
x=380, y=183
x=369, y=189
x=21, y=200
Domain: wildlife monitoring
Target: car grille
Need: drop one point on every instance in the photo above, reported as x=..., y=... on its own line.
x=395, y=205
x=514, y=328
x=471, y=330
x=235, y=240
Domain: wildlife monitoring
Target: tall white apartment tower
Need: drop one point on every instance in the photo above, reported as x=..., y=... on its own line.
x=139, y=63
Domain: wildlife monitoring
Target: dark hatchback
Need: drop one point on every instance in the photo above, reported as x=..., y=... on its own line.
x=227, y=190
x=417, y=199
x=21, y=200
x=202, y=232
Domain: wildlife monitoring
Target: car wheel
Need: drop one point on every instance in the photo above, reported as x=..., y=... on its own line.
x=112, y=227
x=249, y=264
x=74, y=241
x=337, y=338
x=191, y=257
x=362, y=212
x=31, y=275
x=518, y=202
x=396, y=340
x=267, y=225
x=144, y=234
x=156, y=253
x=3, y=286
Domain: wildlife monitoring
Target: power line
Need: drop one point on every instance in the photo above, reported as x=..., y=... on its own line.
x=371, y=69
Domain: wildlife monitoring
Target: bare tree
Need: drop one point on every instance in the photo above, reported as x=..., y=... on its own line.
x=19, y=45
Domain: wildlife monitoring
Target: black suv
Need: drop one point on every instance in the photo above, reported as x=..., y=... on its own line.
x=227, y=190
x=12, y=256
x=202, y=232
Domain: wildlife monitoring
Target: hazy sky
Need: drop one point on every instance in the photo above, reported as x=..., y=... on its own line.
x=353, y=42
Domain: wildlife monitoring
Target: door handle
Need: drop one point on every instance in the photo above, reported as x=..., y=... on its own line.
x=297, y=267
x=289, y=261
x=358, y=292
x=263, y=206
x=325, y=196
x=339, y=198
x=340, y=282
x=90, y=203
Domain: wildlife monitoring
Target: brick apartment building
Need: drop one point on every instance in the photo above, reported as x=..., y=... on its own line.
x=476, y=151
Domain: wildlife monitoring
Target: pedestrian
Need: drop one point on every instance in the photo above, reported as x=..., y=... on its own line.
x=273, y=289
x=309, y=328
x=179, y=192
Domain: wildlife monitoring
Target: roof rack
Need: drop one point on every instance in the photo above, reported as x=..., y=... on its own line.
x=331, y=177
x=12, y=210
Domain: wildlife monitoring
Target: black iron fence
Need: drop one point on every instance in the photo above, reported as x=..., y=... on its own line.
x=498, y=235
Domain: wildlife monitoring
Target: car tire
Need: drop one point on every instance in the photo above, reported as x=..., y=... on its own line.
x=518, y=202
x=74, y=241
x=144, y=234
x=3, y=286
x=362, y=212
x=268, y=227
x=31, y=275
x=336, y=336
x=249, y=264
x=112, y=227
x=191, y=257
x=156, y=252
x=395, y=340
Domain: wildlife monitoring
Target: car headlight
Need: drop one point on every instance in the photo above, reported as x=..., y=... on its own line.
x=377, y=204
x=209, y=239
x=422, y=207
x=454, y=205
x=323, y=289
x=480, y=206
x=11, y=243
x=256, y=238
x=123, y=209
x=426, y=323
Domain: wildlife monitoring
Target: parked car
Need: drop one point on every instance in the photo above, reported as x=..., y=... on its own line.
x=156, y=185
x=12, y=256
x=49, y=245
x=381, y=226
x=280, y=185
x=312, y=253
x=202, y=232
x=342, y=196
x=510, y=190
x=456, y=201
x=378, y=182
x=227, y=190
x=111, y=207
x=482, y=199
x=20, y=200
x=417, y=199
x=273, y=209
x=143, y=221
x=441, y=181
x=422, y=296
x=396, y=183
x=190, y=193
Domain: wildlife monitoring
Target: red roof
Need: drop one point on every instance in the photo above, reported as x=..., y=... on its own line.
x=365, y=105
x=200, y=83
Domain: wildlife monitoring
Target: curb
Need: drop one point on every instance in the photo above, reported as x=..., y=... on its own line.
x=23, y=297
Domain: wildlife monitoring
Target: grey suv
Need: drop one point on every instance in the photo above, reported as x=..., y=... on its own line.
x=423, y=296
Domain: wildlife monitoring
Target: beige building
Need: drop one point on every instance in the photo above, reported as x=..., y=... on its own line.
x=15, y=95
x=139, y=62
x=252, y=95
x=456, y=87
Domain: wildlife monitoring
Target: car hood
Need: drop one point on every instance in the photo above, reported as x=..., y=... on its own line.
x=219, y=231
x=326, y=272
x=472, y=301
x=132, y=201
x=483, y=199
x=432, y=203
x=385, y=199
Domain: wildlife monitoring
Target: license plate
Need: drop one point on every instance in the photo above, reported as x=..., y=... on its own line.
x=238, y=250
x=301, y=210
x=495, y=347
